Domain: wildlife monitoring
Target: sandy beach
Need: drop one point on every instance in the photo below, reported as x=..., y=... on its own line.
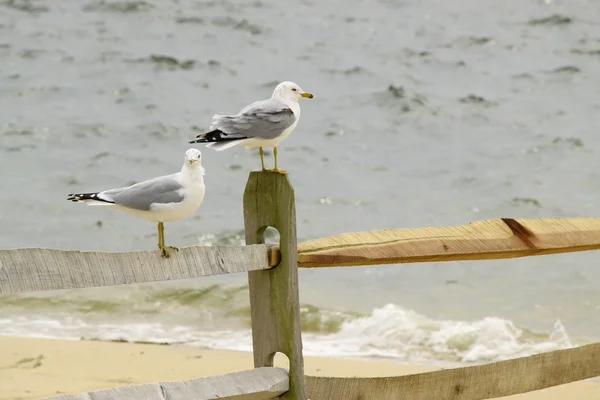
x=34, y=368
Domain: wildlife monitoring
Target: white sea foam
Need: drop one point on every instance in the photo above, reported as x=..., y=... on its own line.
x=395, y=332
x=390, y=331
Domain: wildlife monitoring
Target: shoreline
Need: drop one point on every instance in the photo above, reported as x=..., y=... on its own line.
x=32, y=368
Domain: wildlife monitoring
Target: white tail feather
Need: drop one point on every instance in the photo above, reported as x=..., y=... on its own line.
x=96, y=203
x=220, y=146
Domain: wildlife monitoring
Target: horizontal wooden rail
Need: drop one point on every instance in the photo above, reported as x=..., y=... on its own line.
x=480, y=382
x=256, y=384
x=27, y=270
x=31, y=270
x=480, y=240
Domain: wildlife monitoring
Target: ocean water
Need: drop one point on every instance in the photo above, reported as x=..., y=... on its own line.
x=425, y=113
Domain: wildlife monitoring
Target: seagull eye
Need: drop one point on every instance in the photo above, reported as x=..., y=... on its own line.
x=293, y=89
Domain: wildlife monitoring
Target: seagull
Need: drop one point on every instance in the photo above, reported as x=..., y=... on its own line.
x=264, y=123
x=164, y=199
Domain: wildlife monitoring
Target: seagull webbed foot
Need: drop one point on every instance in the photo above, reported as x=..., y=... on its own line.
x=166, y=250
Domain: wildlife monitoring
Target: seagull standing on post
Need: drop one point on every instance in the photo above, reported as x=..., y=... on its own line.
x=264, y=123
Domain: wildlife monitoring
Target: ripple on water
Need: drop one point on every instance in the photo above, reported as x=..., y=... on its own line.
x=27, y=6
x=552, y=20
x=399, y=98
x=118, y=6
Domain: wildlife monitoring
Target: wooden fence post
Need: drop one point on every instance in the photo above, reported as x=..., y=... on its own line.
x=274, y=302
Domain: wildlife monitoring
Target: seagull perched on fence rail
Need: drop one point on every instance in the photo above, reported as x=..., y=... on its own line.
x=164, y=199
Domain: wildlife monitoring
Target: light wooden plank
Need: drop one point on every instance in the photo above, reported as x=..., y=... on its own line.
x=32, y=270
x=480, y=240
x=480, y=382
x=256, y=384
x=274, y=299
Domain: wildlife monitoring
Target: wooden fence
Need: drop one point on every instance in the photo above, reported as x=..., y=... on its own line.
x=273, y=285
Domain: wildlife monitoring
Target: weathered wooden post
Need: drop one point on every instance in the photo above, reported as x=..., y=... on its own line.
x=274, y=302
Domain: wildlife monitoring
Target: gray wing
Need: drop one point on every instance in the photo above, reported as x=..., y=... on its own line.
x=265, y=119
x=142, y=195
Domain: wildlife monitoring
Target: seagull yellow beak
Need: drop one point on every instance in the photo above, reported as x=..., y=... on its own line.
x=307, y=95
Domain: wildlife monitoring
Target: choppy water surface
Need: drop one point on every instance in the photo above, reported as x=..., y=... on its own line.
x=425, y=112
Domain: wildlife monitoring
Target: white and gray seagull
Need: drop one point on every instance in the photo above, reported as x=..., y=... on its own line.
x=264, y=123
x=164, y=199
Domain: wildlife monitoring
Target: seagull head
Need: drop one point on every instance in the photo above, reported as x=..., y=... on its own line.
x=290, y=91
x=193, y=158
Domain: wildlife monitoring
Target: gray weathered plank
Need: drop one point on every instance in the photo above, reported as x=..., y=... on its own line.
x=479, y=240
x=274, y=300
x=479, y=382
x=256, y=384
x=31, y=270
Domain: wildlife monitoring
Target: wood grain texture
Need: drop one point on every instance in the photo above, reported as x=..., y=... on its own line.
x=487, y=381
x=256, y=384
x=274, y=300
x=480, y=240
x=32, y=270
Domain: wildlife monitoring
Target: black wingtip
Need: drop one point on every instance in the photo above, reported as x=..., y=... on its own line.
x=76, y=197
x=217, y=136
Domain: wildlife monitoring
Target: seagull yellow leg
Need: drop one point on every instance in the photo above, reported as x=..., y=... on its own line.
x=262, y=158
x=279, y=171
x=160, y=235
x=161, y=242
